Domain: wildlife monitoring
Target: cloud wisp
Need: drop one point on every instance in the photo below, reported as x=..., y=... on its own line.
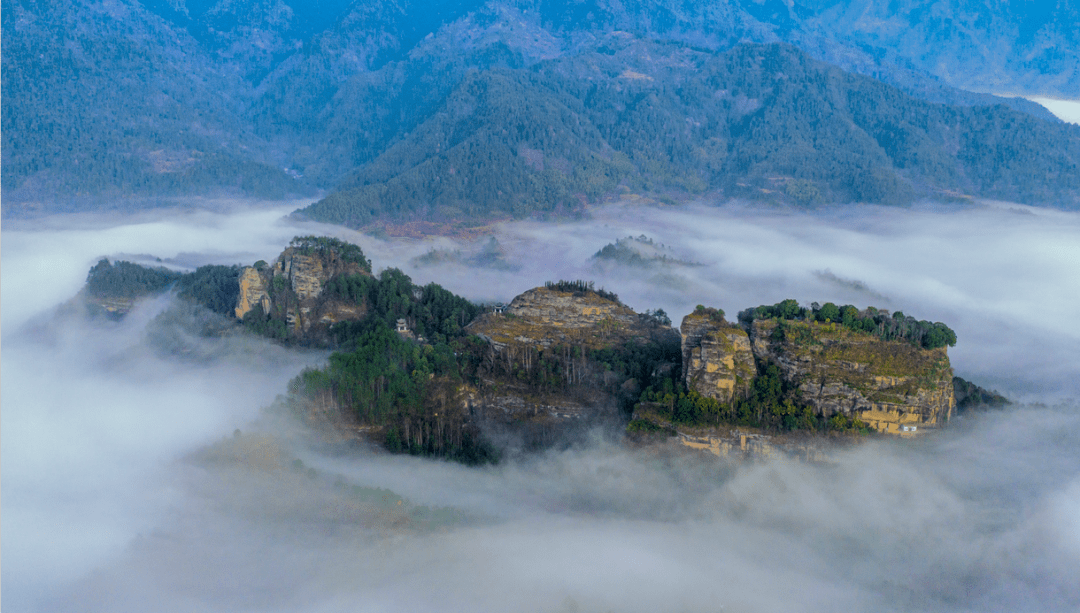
x=125, y=489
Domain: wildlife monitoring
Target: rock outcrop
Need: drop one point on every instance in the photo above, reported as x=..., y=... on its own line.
x=717, y=358
x=545, y=317
x=253, y=291
x=892, y=386
x=539, y=372
x=306, y=273
x=290, y=290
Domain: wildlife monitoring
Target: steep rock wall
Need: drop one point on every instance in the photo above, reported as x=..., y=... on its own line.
x=718, y=361
x=291, y=289
x=556, y=333
x=570, y=310
x=253, y=291
x=306, y=273
x=892, y=386
x=545, y=317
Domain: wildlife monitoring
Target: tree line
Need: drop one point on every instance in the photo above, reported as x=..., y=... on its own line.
x=897, y=326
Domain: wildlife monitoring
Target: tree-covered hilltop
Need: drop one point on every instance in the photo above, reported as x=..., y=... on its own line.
x=638, y=252
x=123, y=279
x=926, y=334
x=581, y=287
x=331, y=248
x=971, y=397
x=429, y=311
x=759, y=121
x=410, y=392
x=428, y=372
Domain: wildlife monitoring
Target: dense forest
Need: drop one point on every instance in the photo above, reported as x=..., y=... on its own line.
x=502, y=108
x=759, y=122
x=124, y=279
x=408, y=389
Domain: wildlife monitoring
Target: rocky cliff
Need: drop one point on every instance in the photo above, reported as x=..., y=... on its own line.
x=557, y=360
x=819, y=370
x=892, y=386
x=546, y=316
x=254, y=291
x=290, y=290
x=717, y=358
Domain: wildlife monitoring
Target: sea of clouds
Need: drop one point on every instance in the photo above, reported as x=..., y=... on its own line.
x=109, y=505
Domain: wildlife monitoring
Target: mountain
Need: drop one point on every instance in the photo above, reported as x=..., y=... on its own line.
x=758, y=121
x=980, y=45
x=103, y=101
x=112, y=103
x=420, y=370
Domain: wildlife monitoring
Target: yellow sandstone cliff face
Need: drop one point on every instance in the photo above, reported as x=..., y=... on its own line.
x=544, y=316
x=294, y=285
x=306, y=273
x=892, y=386
x=717, y=358
x=545, y=326
x=253, y=291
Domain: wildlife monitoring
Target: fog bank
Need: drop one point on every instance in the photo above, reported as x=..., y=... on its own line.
x=125, y=488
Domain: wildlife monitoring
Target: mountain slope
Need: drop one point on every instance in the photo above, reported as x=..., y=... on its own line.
x=105, y=100
x=759, y=121
x=132, y=99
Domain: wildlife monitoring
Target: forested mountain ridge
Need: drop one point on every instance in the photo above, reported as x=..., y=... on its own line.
x=120, y=101
x=103, y=101
x=758, y=121
x=421, y=370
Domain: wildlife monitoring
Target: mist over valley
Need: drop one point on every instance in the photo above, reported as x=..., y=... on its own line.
x=128, y=485
x=532, y=305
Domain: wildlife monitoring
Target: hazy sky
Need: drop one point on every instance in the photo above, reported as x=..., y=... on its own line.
x=124, y=489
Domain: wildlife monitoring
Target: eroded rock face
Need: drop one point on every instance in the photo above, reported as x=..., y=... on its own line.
x=717, y=358
x=546, y=317
x=892, y=386
x=291, y=289
x=306, y=273
x=545, y=328
x=253, y=291
x=569, y=310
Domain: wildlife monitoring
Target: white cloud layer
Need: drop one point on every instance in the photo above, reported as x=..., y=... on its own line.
x=105, y=510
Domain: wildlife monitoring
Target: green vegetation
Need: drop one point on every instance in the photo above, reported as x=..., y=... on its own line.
x=126, y=280
x=658, y=317
x=921, y=333
x=215, y=287
x=406, y=388
x=581, y=288
x=972, y=397
x=714, y=314
x=644, y=426
x=439, y=128
x=430, y=311
x=758, y=121
x=637, y=252
x=329, y=248
x=260, y=322
x=569, y=369
x=771, y=404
